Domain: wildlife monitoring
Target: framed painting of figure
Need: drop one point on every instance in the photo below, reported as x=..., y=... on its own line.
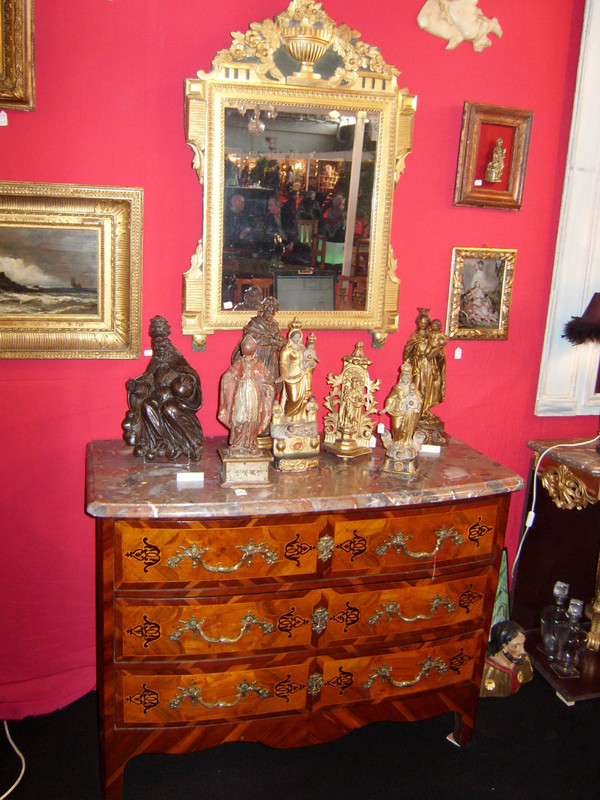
x=480, y=293
x=492, y=157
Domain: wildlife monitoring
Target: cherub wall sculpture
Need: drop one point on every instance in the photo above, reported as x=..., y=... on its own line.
x=458, y=21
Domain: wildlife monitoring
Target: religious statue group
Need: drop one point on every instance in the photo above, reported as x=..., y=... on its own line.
x=266, y=400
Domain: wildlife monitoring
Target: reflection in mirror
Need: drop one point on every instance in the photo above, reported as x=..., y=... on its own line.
x=297, y=207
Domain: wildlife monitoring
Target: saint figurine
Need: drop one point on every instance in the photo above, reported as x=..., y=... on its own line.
x=246, y=399
x=161, y=420
x=425, y=354
x=404, y=404
x=494, y=169
x=265, y=331
x=297, y=362
x=507, y=665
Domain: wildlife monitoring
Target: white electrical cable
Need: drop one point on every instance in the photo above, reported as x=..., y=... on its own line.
x=531, y=515
x=20, y=754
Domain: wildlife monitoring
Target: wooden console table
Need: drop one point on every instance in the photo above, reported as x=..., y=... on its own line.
x=295, y=612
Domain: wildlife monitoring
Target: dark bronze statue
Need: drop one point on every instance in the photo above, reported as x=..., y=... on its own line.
x=161, y=421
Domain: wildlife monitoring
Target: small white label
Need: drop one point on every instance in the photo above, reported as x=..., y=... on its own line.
x=240, y=492
x=477, y=183
x=380, y=427
x=147, y=352
x=190, y=478
x=3, y=119
x=458, y=353
x=373, y=442
x=431, y=448
x=227, y=304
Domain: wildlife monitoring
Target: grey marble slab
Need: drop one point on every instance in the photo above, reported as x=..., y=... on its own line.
x=120, y=485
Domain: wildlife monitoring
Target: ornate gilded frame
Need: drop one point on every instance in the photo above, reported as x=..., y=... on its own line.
x=260, y=69
x=17, y=81
x=482, y=126
x=480, y=293
x=99, y=230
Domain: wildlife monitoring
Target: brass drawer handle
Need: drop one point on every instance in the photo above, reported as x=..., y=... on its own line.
x=398, y=541
x=393, y=609
x=384, y=672
x=249, y=550
x=195, y=626
x=194, y=693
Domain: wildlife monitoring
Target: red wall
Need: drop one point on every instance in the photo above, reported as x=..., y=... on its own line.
x=109, y=78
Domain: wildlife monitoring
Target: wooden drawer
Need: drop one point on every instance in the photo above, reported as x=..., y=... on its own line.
x=197, y=554
x=416, y=539
x=148, y=699
x=151, y=700
x=208, y=628
x=419, y=610
x=389, y=675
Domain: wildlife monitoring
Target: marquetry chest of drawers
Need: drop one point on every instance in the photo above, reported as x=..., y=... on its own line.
x=290, y=613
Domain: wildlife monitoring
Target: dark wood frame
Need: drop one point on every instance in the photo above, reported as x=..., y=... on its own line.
x=480, y=124
x=17, y=79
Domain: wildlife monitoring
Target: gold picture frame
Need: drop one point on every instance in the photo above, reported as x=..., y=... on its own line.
x=480, y=293
x=17, y=78
x=70, y=271
x=492, y=156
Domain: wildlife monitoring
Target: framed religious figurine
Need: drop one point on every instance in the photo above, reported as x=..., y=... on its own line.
x=70, y=271
x=492, y=157
x=480, y=292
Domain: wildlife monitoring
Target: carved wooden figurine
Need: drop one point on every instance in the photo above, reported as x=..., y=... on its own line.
x=507, y=665
x=161, y=421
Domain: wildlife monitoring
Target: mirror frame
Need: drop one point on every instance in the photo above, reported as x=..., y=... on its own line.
x=257, y=70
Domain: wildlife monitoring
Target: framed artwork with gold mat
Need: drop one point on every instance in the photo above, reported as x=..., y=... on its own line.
x=70, y=271
x=17, y=81
x=480, y=293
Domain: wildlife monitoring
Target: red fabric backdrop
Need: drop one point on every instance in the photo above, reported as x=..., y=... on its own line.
x=109, y=111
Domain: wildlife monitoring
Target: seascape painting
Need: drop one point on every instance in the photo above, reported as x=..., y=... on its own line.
x=48, y=270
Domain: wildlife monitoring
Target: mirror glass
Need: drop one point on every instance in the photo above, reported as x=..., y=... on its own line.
x=299, y=134
x=298, y=187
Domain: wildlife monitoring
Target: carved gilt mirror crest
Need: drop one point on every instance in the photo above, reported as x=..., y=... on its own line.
x=299, y=134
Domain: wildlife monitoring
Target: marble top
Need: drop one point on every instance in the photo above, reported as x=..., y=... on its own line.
x=120, y=485
x=570, y=452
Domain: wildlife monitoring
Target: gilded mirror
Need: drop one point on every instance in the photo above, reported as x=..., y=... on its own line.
x=299, y=134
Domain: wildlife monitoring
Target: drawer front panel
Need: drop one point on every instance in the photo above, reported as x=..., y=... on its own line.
x=174, y=630
x=199, y=554
x=392, y=674
x=373, y=615
x=414, y=540
x=150, y=700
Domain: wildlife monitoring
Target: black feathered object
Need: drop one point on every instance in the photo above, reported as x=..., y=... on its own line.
x=587, y=327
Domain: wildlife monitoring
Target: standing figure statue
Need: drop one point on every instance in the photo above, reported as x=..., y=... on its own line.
x=294, y=429
x=161, y=421
x=296, y=366
x=437, y=353
x=404, y=404
x=494, y=169
x=246, y=399
x=265, y=331
x=425, y=353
